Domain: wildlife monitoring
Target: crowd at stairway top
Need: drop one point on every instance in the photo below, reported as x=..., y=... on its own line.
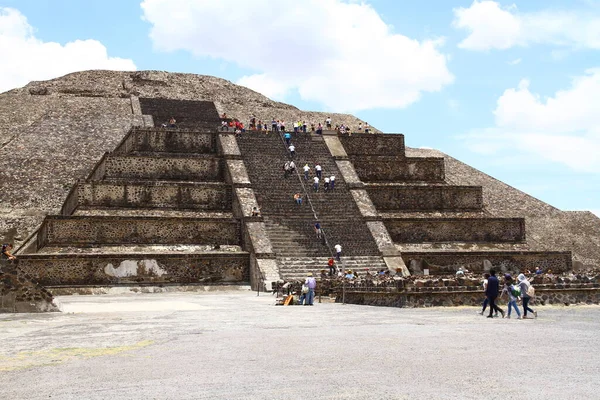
x=279, y=125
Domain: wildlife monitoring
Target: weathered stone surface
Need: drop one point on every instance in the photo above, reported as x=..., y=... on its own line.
x=260, y=240
x=247, y=200
x=19, y=293
x=348, y=172
x=237, y=172
x=88, y=113
x=547, y=228
x=109, y=269
x=335, y=146
x=363, y=201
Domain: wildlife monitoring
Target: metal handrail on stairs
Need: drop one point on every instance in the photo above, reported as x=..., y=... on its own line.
x=305, y=192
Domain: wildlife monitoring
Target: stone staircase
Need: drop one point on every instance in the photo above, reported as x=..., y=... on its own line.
x=298, y=267
x=291, y=227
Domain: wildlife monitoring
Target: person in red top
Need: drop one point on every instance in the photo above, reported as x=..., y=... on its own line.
x=331, y=264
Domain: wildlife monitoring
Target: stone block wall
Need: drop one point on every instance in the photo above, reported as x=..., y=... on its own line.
x=426, y=198
x=92, y=230
x=368, y=144
x=448, y=298
x=205, y=196
x=204, y=169
x=18, y=293
x=448, y=262
x=168, y=141
x=188, y=113
x=113, y=269
x=398, y=169
x=474, y=230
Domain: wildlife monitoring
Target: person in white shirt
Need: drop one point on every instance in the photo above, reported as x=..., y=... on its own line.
x=326, y=183
x=306, y=170
x=328, y=123
x=332, y=182
x=338, y=251
x=318, y=170
x=292, y=150
x=316, y=184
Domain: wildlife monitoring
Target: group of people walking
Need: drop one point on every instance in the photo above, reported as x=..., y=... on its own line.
x=515, y=291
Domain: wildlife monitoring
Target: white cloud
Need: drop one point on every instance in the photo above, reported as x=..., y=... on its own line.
x=562, y=129
x=336, y=52
x=492, y=27
x=26, y=58
x=515, y=61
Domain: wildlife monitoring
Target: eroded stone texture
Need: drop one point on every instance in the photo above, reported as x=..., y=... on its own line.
x=166, y=140
x=426, y=197
x=18, y=293
x=110, y=269
x=448, y=262
x=205, y=169
x=382, y=238
x=259, y=238
x=335, y=146
x=547, y=228
x=473, y=230
x=247, y=200
x=363, y=201
x=228, y=146
x=379, y=145
x=348, y=172
x=398, y=168
x=151, y=194
x=237, y=171
x=91, y=230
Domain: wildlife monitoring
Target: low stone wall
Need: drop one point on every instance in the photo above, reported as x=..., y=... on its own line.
x=368, y=144
x=96, y=230
x=169, y=141
x=426, y=198
x=204, y=169
x=114, y=269
x=448, y=262
x=473, y=230
x=448, y=298
x=18, y=293
x=205, y=196
x=398, y=169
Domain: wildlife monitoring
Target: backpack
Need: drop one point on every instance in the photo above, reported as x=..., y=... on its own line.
x=514, y=291
x=530, y=291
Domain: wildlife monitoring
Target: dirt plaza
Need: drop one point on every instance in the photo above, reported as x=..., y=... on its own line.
x=235, y=345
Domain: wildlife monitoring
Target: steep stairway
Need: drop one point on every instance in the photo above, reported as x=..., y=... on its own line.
x=291, y=227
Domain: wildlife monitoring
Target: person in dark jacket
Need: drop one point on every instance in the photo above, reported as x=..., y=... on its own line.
x=491, y=292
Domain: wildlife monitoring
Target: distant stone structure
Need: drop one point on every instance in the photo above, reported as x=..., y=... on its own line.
x=101, y=194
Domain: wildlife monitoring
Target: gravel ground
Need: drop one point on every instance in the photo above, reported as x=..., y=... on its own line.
x=232, y=345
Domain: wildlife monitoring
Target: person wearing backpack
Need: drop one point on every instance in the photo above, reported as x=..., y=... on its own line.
x=526, y=294
x=513, y=294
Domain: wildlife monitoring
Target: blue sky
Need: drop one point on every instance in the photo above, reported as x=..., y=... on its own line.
x=511, y=88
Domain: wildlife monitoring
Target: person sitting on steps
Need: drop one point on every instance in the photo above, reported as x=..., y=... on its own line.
x=298, y=199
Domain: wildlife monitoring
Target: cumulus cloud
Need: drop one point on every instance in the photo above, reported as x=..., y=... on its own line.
x=26, y=58
x=336, y=52
x=563, y=128
x=491, y=26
